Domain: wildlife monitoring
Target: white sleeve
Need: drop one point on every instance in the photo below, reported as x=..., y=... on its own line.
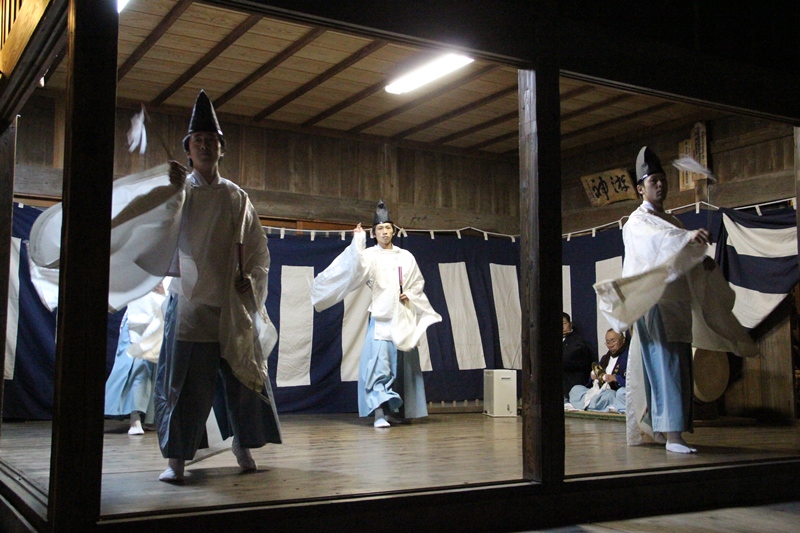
x=346, y=273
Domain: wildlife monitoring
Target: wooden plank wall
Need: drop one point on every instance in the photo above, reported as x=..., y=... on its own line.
x=753, y=159
x=766, y=388
x=302, y=177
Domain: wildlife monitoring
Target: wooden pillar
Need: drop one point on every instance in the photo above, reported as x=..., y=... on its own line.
x=797, y=181
x=540, y=274
x=540, y=251
x=77, y=445
x=59, y=132
x=8, y=158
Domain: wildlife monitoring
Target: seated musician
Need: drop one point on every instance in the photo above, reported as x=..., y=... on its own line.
x=606, y=390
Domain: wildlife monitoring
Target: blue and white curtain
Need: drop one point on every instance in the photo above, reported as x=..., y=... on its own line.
x=757, y=252
x=758, y=257
x=470, y=280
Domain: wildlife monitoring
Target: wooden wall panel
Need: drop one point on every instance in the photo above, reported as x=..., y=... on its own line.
x=482, y=201
x=505, y=191
x=406, y=175
x=348, y=176
x=326, y=166
x=468, y=188
x=319, y=174
x=276, y=161
x=36, y=126
x=230, y=166
x=426, y=178
x=252, y=157
x=453, y=168
x=752, y=158
x=299, y=163
x=373, y=182
x=767, y=384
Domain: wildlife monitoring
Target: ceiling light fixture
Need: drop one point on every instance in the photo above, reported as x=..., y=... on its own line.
x=121, y=5
x=427, y=73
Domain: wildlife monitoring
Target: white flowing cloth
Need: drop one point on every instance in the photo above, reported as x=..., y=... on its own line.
x=147, y=212
x=659, y=259
x=381, y=270
x=146, y=326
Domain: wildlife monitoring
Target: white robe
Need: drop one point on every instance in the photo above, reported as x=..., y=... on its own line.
x=379, y=269
x=662, y=267
x=146, y=326
x=147, y=222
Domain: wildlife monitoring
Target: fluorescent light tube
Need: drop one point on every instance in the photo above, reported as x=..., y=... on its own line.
x=427, y=73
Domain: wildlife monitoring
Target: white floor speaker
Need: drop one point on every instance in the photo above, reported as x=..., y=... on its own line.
x=500, y=392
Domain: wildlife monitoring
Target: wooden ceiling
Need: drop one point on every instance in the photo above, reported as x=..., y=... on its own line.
x=282, y=74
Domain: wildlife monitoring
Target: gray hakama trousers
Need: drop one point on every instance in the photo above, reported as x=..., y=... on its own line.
x=186, y=381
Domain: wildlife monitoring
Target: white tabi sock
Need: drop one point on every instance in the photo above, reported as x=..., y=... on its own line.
x=174, y=471
x=676, y=444
x=136, y=424
x=380, y=419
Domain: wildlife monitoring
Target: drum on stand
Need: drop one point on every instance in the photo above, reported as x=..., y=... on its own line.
x=711, y=374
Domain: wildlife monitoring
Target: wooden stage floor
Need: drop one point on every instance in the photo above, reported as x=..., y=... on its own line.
x=341, y=455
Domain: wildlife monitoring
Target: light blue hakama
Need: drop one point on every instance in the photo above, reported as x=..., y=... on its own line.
x=602, y=402
x=130, y=385
x=667, y=368
x=386, y=375
x=185, y=386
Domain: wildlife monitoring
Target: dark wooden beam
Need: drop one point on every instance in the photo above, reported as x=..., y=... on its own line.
x=59, y=57
x=505, y=507
x=270, y=65
x=347, y=102
x=578, y=91
x=444, y=89
x=8, y=157
x=364, y=93
x=364, y=52
x=477, y=127
x=456, y=112
x=159, y=31
x=595, y=106
x=618, y=120
x=204, y=61
x=76, y=459
x=681, y=123
x=494, y=140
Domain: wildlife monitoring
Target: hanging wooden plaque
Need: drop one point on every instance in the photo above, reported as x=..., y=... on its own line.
x=608, y=187
x=697, y=149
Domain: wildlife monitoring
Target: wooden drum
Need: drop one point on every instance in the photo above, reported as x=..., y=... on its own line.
x=711, y=374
